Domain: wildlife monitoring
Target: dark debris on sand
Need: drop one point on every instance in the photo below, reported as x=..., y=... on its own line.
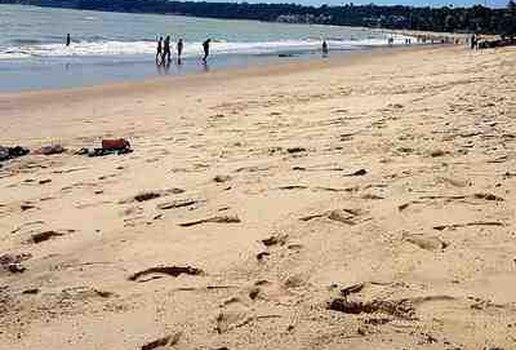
x=261, y=255
x=360, y=172
x=31, y=291
x=179, y=203
x=174, y=271
x=274, y=240
x=293, y=150
x=13, y=262
x=221, y=178
x=213, y=219
x=399, y=308
x=7, y=153
x=355, y=288
x=44, y=236
x=146, y=196
x=167, y=341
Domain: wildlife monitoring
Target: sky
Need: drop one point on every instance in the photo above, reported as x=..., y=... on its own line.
x=419, y=3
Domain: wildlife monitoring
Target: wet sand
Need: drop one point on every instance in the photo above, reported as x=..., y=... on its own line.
x=364, y=202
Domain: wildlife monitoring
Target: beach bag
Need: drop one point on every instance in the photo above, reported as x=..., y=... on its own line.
x=116, y=144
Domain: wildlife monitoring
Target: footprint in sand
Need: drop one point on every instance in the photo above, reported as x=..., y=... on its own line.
x=346, y=216
x=236, y=311
x=431, y=243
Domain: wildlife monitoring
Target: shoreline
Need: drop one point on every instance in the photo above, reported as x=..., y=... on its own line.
x=61, y=73
x=85, y=71
x=296, y=64
x=363, y=202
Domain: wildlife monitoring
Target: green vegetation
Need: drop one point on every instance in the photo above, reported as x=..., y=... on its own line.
x=446, y=19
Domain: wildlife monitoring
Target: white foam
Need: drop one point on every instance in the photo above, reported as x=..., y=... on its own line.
x=110, y=48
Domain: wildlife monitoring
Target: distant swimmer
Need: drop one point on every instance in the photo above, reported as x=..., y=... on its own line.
x=179, y=50
x=324, y=47
x=159, y=49
x=166, y=50
x=68, y=39
x=206, y=48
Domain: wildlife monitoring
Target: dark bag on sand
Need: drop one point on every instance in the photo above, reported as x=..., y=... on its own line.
x=117, y=144
x=4, y=153
x=7, y=153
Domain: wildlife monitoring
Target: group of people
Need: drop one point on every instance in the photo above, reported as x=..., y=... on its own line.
x=164, y=53
x=164, y=56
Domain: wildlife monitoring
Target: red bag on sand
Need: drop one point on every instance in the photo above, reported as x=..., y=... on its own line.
x=116, y=144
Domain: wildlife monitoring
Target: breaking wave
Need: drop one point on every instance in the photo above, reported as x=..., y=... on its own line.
x=26, y=49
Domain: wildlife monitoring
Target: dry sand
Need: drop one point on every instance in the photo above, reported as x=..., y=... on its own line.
x=270, y=192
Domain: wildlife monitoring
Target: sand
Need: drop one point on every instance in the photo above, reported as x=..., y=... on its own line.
x=355, y=203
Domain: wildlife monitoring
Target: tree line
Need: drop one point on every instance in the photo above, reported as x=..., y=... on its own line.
x=477, y=19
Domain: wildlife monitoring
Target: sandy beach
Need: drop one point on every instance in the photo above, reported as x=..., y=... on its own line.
x=359, y=202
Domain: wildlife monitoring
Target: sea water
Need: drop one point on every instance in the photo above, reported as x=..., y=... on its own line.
x=109, y=46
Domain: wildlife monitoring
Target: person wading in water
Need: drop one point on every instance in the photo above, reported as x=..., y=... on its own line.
x=159, y=49
x=324, y=48
x=179, y=50
x=166, y=50
x=206, y=48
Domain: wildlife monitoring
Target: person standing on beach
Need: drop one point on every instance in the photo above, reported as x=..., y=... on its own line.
x=166, y=50
x=179, y=50
x=473, y=42
x=68, y=39
x=159, y=49
x=206, y=48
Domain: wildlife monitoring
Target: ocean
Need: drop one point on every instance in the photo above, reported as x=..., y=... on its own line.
x=109, y=46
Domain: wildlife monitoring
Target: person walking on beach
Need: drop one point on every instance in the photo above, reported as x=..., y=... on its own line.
x=159, y=49
x=179, y=50
x=68, y=39
x=473, y=42
x=206, y=48
x=166, y=50
x=324, y=48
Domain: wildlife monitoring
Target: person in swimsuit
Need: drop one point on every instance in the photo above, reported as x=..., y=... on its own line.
x=159, y=49
x=206, y=48
x=179, y=50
